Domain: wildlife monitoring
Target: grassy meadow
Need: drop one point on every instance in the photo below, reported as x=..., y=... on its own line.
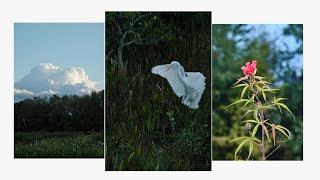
x=58, y=145
x=147, y=126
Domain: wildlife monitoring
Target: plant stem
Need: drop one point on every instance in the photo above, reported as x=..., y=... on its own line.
x=274, y=150
x=262, y=148
x=261, y=115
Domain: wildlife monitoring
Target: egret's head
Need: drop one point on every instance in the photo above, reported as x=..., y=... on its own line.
x=175, y=65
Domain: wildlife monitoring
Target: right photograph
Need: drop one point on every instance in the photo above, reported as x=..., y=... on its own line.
x=257, y=91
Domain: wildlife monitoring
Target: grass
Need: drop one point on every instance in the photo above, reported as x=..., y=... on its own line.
x=58, y=145
x=152, y=130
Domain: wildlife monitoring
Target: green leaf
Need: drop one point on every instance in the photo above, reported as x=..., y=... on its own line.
x=255, y=129
x=285, y=107
x=265, y=107
x=270, y=90
x=278, y=100
x=242, y=137
x=239, y=101
x=279, y=108
x=263, y=82
x=264, y=96
x=239, y=147
x=241, y=79
x=240, y=85
x=249, y=111
x=130, y=157
x=266, y=132
x=282, y=131
x=259, y=77
x=250, y=121
x=279, y=126
x=259, y=88
x=250, y=149
x=243, y=91
x=245, y=104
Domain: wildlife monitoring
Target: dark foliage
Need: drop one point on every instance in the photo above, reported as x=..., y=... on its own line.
x=66, y=113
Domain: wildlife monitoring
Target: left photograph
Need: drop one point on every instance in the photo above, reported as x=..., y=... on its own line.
x=58, y=90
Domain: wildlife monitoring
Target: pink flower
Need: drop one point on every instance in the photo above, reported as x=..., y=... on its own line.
x=250, y=68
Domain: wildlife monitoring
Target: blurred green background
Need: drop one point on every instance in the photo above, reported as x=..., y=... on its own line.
x=147, y=126
x=278, y=50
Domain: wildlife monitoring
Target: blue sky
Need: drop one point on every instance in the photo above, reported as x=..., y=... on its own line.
x=275, y=34
x=62, y=44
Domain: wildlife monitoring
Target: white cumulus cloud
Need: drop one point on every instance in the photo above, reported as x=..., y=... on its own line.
x=47, y=79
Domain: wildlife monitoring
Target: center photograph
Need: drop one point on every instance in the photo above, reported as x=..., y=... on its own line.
x=158, y=91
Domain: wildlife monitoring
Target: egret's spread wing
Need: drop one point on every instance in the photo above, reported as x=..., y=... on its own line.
x=196, y=81
x=172, y=76
x=161, y=70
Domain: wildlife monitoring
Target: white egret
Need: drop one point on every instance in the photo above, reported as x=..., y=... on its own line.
x=189, y=85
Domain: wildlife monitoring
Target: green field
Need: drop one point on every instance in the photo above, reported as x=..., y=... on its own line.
x=58, y=145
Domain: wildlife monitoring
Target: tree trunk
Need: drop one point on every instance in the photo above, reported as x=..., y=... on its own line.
x=120, y=57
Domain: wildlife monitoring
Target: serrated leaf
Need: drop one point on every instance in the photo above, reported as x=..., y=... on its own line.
x=242, y=137
x=279, y=99
x=255, y=129
x=250, y=121
x=250, y=149
x=264, y=96
x=270, y=90
x=282, y=131
x=240, y=85
x=239, y=101
x=266, y=107
x=243, y=91
x=279, y=126
x=241, y=79
x=239, y=147
x=259, y=88
x=285, y=107
x=259, y=77
x=245, y=104
x=266, y=132
x=279, y=108
x=263, y=82
x=249, y=111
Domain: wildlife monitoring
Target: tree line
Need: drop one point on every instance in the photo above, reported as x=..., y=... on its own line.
x=66, y=113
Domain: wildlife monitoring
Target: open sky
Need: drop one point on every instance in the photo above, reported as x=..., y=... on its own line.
x=275, y=34
x=64, y=45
